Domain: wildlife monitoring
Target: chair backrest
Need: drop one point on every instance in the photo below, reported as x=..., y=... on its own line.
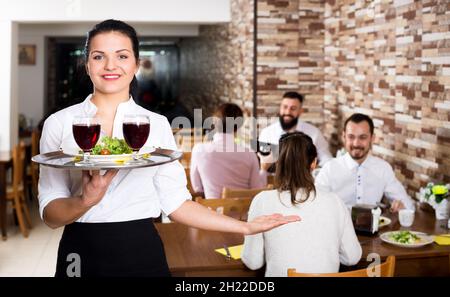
x=188, y=178
x=235, y=207
x=18, y=156
x=34, y=167
x=186, y=138
x=386, y=269
x=175, y=131
x=270, y=180
x=186, y=159
x=35, y=137
x=242, y=193
x=187, y=171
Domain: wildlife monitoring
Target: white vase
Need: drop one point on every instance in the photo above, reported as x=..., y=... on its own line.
x=442, y=210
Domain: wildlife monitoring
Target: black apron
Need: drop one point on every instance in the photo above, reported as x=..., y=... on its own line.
x=129, y=249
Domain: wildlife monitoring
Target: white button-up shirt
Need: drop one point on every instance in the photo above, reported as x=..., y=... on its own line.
x=133, y=194
x=272, y=134
x=362, y=184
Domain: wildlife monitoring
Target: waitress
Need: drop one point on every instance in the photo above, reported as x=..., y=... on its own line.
x=108, y=218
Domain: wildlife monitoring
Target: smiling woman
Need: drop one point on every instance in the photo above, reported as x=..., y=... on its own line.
x=111, y=70
x=108, y=218
x=112, y=59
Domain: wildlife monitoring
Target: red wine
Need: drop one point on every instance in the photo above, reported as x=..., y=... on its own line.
x=136, y=134
x=86, y=136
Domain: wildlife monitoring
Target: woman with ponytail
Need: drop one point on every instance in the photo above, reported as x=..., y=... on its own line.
x=322, y=240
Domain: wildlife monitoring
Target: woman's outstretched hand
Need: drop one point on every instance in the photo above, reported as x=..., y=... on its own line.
x=268, y=222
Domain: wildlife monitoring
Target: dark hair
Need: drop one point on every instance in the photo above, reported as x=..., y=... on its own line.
x=293, y=172
x=358, y=118
x=293, y=95
x=115, y=26
x=230, y=112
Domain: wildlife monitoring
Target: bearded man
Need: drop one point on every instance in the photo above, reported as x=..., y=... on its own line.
x=289, y=121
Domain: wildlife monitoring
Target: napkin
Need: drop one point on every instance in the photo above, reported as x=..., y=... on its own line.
x=235, y=251
x=443, y=239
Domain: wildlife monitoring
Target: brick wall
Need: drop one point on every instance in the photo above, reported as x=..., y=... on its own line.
x=388, y=59
x=290, y=55
x=217, y=66
x=391, y=60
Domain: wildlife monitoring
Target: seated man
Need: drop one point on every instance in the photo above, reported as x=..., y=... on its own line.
x=357, y=176
x=289, y=121
x=223, y=162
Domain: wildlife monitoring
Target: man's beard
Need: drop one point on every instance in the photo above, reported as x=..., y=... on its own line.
x=361, y=153
x=288, y=126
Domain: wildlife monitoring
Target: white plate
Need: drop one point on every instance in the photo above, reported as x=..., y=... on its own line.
x=143, y=152
x=424, y=239
x=386, y=221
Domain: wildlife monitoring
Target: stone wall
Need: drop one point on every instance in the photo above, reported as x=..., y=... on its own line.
x=391, y=60
x=217, y=66
x=203, y=68
x=290, y=36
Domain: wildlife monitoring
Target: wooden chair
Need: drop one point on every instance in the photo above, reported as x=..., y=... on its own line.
x=186, y=138
x=187, y=171
x=387, y=269
x=33, y=169
x=234, y=207
x=15, y=191
x=242, y=193
x=188, y=178
x=186, y=159
x=175, y=131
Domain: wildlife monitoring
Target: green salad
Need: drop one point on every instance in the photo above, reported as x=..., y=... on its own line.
x=111, y=146
x=405, y=237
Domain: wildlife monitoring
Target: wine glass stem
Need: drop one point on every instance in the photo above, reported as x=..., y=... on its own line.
x=135, y=155
x=86, y=156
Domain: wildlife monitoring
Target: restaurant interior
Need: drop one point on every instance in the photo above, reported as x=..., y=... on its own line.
x=388, y=59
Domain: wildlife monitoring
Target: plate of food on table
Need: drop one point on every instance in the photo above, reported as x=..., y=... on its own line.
x=408, y=239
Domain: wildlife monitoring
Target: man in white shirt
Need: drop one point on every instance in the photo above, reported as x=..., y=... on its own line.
x=357, y=177
x=289, y=114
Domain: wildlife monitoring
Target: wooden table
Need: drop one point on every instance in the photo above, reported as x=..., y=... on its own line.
x=190, y=251
x=430, y=260
x=5, y=162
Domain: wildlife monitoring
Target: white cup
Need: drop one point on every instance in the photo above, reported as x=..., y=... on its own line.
x=406, y=217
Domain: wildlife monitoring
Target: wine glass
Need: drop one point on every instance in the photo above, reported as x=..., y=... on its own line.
x=86, y=131
x=136, y=129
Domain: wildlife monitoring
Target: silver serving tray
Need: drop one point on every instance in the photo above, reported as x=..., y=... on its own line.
x=58, y=159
